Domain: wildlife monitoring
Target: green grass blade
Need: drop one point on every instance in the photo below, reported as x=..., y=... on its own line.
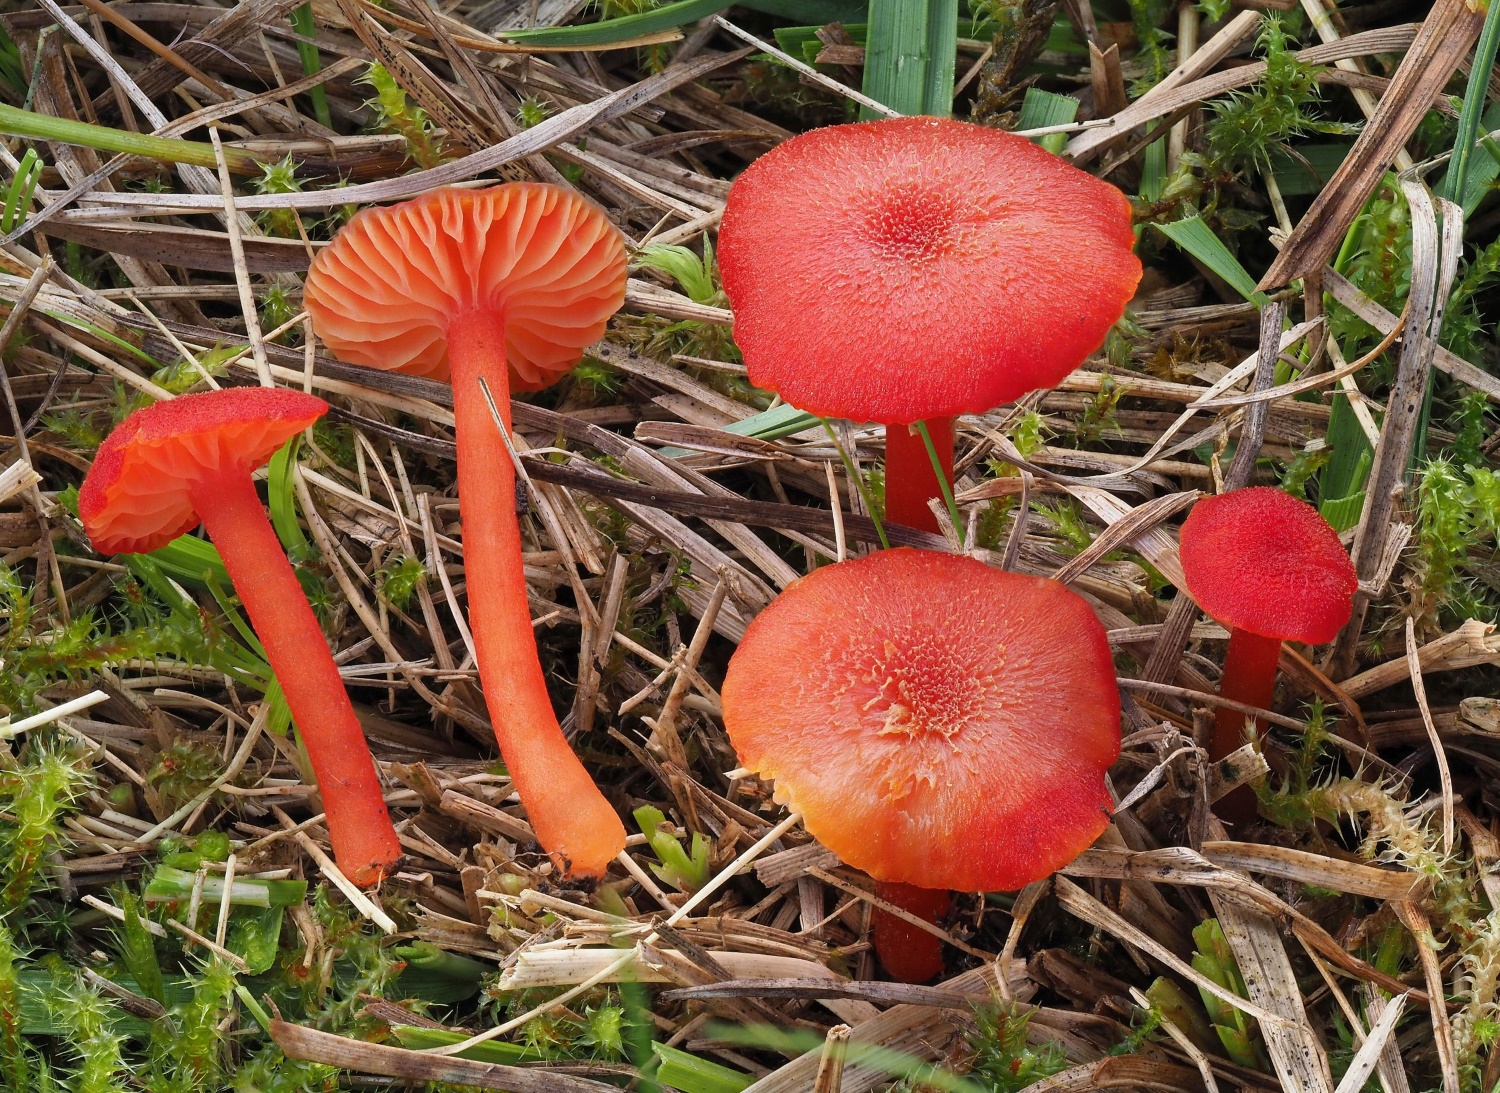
x=1455, y=184
x=910, y=55
x=669, y=16
x=281, y=498
x=942, y=57
x=687, y=1072
x=21, y=190
x=28, y=123
x=1040, y=109
x=418, y=1038
x=170, y=884
x=622, y=29
x=1194, y=236
x=12, y=71
x=312, y=61
x=190, y=560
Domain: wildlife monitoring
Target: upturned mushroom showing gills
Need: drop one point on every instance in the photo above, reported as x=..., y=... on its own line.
x=916, y=269
x=506, y=285
x=1270, y=568
x=174, y=465
x=936, y=722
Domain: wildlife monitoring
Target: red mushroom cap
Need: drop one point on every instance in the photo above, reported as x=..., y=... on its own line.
x=914, y=268
x=138, y=494
x=1261, y=560
x=548, y=260
x=936, y=722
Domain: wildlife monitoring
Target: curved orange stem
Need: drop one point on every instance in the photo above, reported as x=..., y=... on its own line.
x=909, y=479
x=909, y=954
x=570, y=816
x=364, y=843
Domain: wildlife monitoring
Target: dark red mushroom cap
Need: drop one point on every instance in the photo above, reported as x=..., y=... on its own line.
x=1262, y=560
x=936, y=722
x=138, y=494
x=913, y=268
x=545, y=258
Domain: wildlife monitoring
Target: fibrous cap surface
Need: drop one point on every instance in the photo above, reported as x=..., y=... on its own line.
x=913, y=268
x=1261, y=560
x=937, y=722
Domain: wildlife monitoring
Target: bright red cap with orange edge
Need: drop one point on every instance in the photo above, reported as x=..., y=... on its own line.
x=138, y=494
x=936, y=722
x=914, y=268
x=544, y=257
x=1261, y=560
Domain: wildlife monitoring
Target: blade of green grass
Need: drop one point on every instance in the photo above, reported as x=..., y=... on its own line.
x=281, y=499
x=312, y=61
x=22, y=188
x=28, y=123
x=170, y=884
x=1040, y=109
x=1341, y=484
x=910, y=54
x=417, y=1038
x=681, y=1070
x=1455, y=186
x=678, y=14
x=12, y=71
x=1195, y=237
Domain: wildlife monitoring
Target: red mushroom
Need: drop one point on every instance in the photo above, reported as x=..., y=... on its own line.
x=916, y=269
x=507, y=285
x=176, y=464
x=941, y=724
x=1271, y=569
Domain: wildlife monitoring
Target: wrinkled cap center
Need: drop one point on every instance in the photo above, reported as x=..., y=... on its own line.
x=924, y=690
x=909, y=223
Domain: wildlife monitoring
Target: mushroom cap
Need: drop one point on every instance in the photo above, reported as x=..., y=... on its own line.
x=1261, y=560
x=383, y=292
x=913, y=268
x=936, y=722
x=138, y=494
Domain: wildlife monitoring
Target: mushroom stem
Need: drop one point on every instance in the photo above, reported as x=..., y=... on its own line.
x=1249, y=677
x=364, y=843
x=569, y=814
x=910, y=481
x=907, y=953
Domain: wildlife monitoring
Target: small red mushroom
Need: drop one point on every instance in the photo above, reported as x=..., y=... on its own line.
x=916, y=269
x=508, y=285
x=176, y=464
x=1270, y=568
x=938, y=723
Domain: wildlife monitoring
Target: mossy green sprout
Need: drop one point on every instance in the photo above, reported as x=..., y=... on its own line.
x=1249, y=125
x=36, y=792
x=531, y=111
x=279, y=178
x=395, y=113
x=86, y=1025
x=1237, y=1033
x=400, y=578
x=685, y=870
x=697, y=275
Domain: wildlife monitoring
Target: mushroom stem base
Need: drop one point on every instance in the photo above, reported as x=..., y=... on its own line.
x=909, y=954
x=1249, y=677
x=571, y=818
x=364, y=843
x=910, y=481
